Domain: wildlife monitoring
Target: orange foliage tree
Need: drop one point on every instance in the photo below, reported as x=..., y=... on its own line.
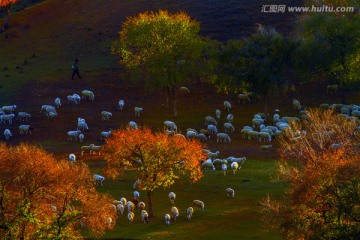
x=6, y=5
x=44, y=198
x=322, y=168
x=160, y=160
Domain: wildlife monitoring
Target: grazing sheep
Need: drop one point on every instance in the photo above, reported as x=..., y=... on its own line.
x=94, y=149
x=175, y=213
x=23, y=116
x=7, y=117
x=130, y=206
x=131, y=216
x=87, y=94
x=167, y=219
x=184, y=90
x=210, y=120
x=123, y=200
x=296, y=104
x=136, y=194
x=227, y=105
x=109, y=222
x=198, y=205
x=212, y=130
x=141, y=205
x=121, y=208
x=208, y=166
x=264, y=136
x=229, y=128
x=217, y=113
x=172, y=197
x=72, y=99
x=104, y=135
x=81, y=137
x=121, y=104
x=224, y=168
x=8, y=109
x=169, y=125
x=234, y=167
x=105, y=115
x=190, y=134
x=24, y=129
x=132, y=125
x=189, y=213
x=201, y=137
x=332, y=89
x=144, y=216
x=257, y=122
x=85, y=148
x=223, y=137
x=243, y=98
x=230, y=192
x=213, y=155
x=43, y=107
x=266, y=147
x=74, y=134
x=82, y=126
x=98, y=179
x=138, y=110
x=57, y=102
x=7, y=134
x=240, y=160
x=230, y=118
x=72, y=158
x=50, y=112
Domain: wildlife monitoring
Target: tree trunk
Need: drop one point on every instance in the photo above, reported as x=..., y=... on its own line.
x=167, y=99
x=150, y=204
x=175, y=109
x=6, y=18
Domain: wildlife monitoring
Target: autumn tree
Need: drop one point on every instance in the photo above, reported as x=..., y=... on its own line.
x=6, y=5
x=44, y=198
x=158, y=159
x=165, y=47
x=322, y=168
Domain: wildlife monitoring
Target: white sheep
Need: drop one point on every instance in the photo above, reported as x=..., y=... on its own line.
x=144, y=216
x=189, y=213
x=223, y=137
x=202, y=137
x=77, y=97
x=130, y=206
x=208, y=166
x=230, y=192
x=217, y=113
x=105, y=115
x=213, y=155
x=243, y=98
x=87, y=94
x=7, y=134
x=120, y=207
x=264, y=136
x=50, y=112
x=210, y=120
x=131, y=216
x=81, y=137
x=72, y=99
x=94, y=149
x=167, y=219
x=136, y=194
x=123, y=200
x=72, y=157
x=138, y=110
x=82, y=125
x=230, y=118
x=98, y=179
x=57, y=102
x=8, y=109
x=172, y=197
x=133, y=125
x=43, y=107
x=229, y=128
x=24, y=129
x=23, y=116
x=169, y=125
x=296, y=104
x=175, y=212
x=85, y=148
x=224, y=168
x=141, y=205
x=266, y=147
x=227, y=105
x=212, y=130
x=197, y=204
x=104, y=135
x=74, y=134
x=184, y=90
x=190, y=134
x=234, y=167
x=7, y=117
x=121, y=104
x=240, y=160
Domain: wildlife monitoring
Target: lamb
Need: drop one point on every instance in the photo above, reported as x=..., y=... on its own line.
x=57, y=102
x=243, y=98
x=210, y=120
x=105, y=135
x=7, y=117
x=72, y=158
x=224, y=168
x=167, y=219
x=72, y=99
x=296, y=104
x=184, y=90
x=132, y=125
x=213, y=155
x=74, y=134
x=8, y=109
x=223, y=137
x=105, y=115
x=189, y=213
x=94, y=149
x=175, y=213
x=230, y=118
x=229, y=128
x=169, y=125
x=131, y=216
x=98, y=179
x=172, y=197
x=81, y=137
x=199, y=205
x=234, y=167
x=138, y=110
x=77, y=97
x=136, y=194
x=230, y=192
x=121, y=104
x=82, y=126
x=332, y=89
x=120, y=207
x=144, y=216
x=123, y=200
x=130, y=206
x=227, y=105
x=212, y=130
x=87, y=94
x=141, y=205
x=23, y=116
x=217, y=113
x=85, y=148
x=24, y=129
x=7, y=134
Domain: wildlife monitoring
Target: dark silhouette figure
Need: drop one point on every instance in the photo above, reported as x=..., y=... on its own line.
x=75, y=69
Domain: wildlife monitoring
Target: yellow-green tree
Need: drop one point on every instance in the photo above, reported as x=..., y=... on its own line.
x=165, y=47
x=159, y=160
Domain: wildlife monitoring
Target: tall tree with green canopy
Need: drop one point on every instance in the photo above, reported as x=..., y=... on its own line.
x=166, y=48
x=330, y=45
x=6, y=5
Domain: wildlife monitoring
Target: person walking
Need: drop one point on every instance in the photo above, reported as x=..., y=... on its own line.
x=75, y=69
